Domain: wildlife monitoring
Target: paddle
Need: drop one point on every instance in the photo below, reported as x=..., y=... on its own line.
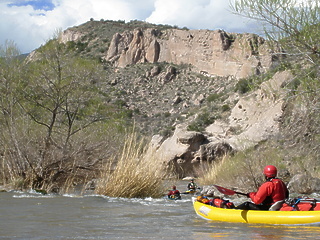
x=228, y=191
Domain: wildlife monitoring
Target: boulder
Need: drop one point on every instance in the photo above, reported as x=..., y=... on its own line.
x=186, y=150
x=304, y=183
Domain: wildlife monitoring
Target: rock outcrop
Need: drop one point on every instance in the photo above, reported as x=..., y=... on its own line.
x=70, y=35
x=185, y=151
x=304, y=183
x=214, y=52
x=255, y=118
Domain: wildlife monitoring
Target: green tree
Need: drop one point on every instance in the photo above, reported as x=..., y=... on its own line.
x=61, y=97
x=56, y=124
x=294, y=24
x=60, y=94
x=11, y=69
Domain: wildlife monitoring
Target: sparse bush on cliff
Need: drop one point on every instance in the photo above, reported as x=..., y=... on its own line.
x=225, y=108
x=243, y=86
x=202, y=120
x=214, y=97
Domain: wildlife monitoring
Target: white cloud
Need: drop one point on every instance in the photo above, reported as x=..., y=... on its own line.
x=201, y=14
x=30, y=28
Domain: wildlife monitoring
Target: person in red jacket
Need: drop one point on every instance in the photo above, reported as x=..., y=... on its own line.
x=174, y=193
x=271, y=191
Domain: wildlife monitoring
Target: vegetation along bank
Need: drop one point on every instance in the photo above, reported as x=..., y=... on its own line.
x=119, y=107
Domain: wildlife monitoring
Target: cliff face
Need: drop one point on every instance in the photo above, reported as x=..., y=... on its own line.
x=214, y=52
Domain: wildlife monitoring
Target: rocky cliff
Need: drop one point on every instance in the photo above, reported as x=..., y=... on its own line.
x=214, y=52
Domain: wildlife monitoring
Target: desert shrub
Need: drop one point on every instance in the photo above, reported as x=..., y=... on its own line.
x=243, y=85
x=202, y=120
x=225, y=108
x=210, y=171
x=167, y=114
x=214, y=97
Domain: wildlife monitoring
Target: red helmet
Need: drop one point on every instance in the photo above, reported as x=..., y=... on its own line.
x=174, y=187
x=270, y=171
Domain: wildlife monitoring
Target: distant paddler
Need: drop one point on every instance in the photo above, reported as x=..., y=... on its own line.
x=174, y=194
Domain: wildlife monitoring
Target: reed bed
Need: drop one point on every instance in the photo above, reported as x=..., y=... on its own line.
x=134, y=175
x=210, y=172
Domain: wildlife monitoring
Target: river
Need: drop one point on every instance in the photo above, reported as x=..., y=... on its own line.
x=28, y=215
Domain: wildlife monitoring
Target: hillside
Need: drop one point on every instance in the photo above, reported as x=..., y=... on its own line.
x=164, y=92
x=201, y=95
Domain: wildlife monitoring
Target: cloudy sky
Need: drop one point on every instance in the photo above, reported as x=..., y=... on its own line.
x=30, y=23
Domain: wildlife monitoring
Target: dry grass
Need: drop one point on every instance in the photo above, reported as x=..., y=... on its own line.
x=133, y=175
x=211, y=171
x=242, y=170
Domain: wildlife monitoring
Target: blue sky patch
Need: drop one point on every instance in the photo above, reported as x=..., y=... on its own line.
x=45, y=5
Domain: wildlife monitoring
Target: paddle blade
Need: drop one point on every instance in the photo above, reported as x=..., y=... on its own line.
x=225, y=190
x=228, y=191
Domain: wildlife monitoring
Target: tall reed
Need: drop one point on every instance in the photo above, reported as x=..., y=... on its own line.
x=134, y=175
x=210, y=172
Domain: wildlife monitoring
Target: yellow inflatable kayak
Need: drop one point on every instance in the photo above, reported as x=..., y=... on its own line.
x=254, y=216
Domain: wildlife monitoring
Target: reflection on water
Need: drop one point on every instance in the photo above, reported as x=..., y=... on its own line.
x=258, y=232
x=36, y=216
x=286, y=232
